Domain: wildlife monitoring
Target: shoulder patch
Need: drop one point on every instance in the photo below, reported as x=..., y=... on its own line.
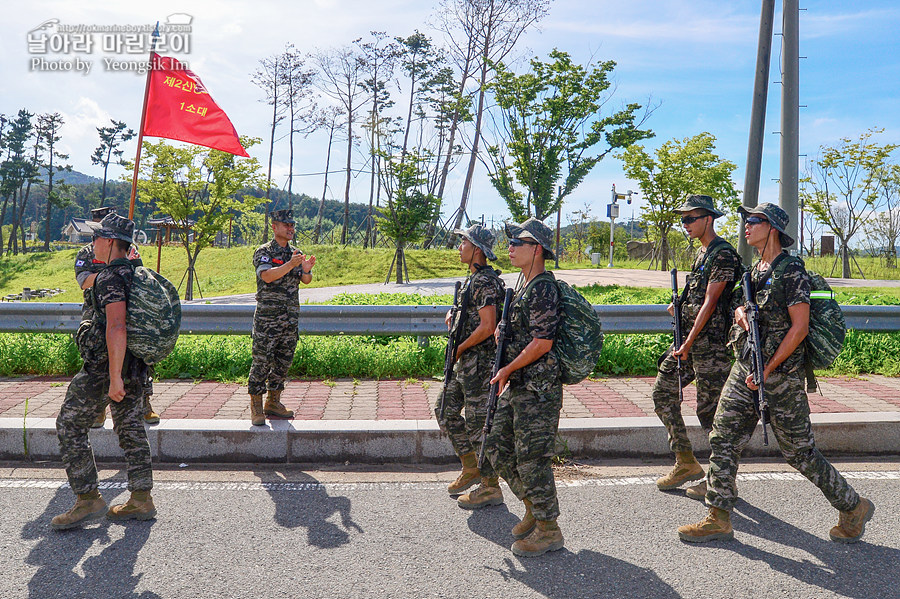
x=263, y=258
x=79, y=263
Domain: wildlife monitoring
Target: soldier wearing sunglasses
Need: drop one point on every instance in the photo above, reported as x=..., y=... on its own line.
x=706, y=316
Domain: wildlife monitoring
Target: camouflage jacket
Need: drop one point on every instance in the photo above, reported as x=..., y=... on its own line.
x=283, y=292
x=86, y=264
x=789, y=284
x=724, y=265
x=534, y=314
x=112, y=285
x=485, y=288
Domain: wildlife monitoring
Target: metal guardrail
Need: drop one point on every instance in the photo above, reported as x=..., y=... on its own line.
x=237, y=319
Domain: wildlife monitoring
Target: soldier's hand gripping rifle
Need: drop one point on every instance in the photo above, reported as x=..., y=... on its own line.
x=498, y=364
x=756, y=352
x=457, y=318
x=676, y=329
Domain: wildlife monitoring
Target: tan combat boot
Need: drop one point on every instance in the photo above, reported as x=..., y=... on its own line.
x=686, y=469
x=545, y=537
x=486, y=494
x=851, y=525
x=716, y=525
x=469, y=476
x=274, y=407
x=697, y=492
x=257, y=418
x=100, y=419
x=138, y=507
x=150, y=417
x=524, y=528
x=88, y=507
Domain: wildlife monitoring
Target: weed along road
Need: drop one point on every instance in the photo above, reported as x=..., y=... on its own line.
x=393, y=532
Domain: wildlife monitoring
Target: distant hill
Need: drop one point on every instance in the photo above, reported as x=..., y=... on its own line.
x=73, y=177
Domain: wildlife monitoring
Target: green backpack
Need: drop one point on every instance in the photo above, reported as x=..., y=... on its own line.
x=579, y=338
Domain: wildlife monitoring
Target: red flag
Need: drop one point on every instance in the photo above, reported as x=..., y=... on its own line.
x=179, y=107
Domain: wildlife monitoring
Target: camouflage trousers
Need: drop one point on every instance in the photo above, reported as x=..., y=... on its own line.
x=735, y=422
x=84, y=398
x=465, y=409
x=522, y=444
x=706, y=363
x=275, y=337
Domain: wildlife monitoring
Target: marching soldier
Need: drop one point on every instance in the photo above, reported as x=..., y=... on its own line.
x=706, y=317
x=470, y=383
x=783, y=302
x=109, y=370
x=280, y=268
x=522, y=441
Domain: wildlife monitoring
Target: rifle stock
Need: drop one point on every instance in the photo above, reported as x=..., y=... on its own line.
x=498, y=363
x=676, y=329
x=756, y=352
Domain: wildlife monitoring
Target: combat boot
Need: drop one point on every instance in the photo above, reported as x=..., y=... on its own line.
x=686, y=469
x=469, y=476
x=274, y=407
x=138, y=507
x=545, y=537
x=851, y=525
x=99, y=419
x=716, y=525
x=524, y=528
x=150, y=417
x=486, y=494
x=88, y=507
x=257, y=418
x=697, y=492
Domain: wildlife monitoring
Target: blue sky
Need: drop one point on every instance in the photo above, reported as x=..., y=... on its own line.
x=696, y=59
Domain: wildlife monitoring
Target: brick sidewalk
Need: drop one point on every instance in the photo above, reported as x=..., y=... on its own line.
x=414, y=399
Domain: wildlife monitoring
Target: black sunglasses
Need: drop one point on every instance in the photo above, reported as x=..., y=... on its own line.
x=686, y=220
x=516, y=242
x=755, y=220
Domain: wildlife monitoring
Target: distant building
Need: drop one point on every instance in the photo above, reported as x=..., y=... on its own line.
x=79, y=230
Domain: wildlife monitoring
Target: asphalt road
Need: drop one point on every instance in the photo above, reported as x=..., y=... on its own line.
x=275, y=533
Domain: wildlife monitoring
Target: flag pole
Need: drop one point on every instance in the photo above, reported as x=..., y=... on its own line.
x=140, y=140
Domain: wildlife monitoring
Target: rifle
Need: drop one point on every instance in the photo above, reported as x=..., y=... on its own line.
x=756, y=352
x=457, y=317
x=676, y=329
x=498, y=362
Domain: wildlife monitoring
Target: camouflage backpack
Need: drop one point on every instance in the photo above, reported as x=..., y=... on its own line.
x=579, y=338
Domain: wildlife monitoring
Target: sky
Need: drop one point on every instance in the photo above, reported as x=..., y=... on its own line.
x=692, y=59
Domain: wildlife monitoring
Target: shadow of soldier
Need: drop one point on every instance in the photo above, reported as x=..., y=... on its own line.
x=563, y=574
x=302, y=501
x=846, y=570
x=106, y=566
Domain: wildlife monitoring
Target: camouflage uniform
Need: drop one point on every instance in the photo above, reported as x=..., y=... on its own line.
x=470, y=385
x=736, y=416
x=708, y=361
x=276, y=320
x=87, y=394
x=522, y=441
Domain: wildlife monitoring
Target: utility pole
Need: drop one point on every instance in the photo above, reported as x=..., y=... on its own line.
x=790, y=116
x=612, y=211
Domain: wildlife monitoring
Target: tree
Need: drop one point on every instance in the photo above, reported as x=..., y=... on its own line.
x=551, y=122
x=330, y=117
x=883, y=230
x=198, y=187
x=109, y=150
x=842, y=187
x=301, y=110
x=15, y=171
x=681, y=168
x=48, y=130
x=270, y=78
x=408, y=209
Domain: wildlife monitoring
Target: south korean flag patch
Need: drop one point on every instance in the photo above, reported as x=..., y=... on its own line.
x=79, y=263
x=263, y=258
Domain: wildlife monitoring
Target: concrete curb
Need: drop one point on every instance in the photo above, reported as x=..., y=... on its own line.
x=420, y=441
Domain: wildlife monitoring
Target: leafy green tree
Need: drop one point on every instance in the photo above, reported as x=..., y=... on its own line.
x=109, y=150
x=842, y=186
x=199, y=188
x=552, y=129
x=681, y=168
x=16, y=170
x=48, y=131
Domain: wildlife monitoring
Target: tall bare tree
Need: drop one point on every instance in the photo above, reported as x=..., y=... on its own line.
x=330, y=118
x=884, y=229
x=270, y=78
x=297, y=80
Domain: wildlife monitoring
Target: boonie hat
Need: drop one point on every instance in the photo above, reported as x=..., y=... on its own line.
x=533, y=229
x=283, y=216
x=778, y=218
x=480, y=237
x=114, y=226
x=701, y=202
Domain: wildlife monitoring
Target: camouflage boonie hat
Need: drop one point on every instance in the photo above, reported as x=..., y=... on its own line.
x=700, y=202
x=283, y=216
x=114, y=226
x=533, y=229
x=98, y=213
x=778, y=218
x=481, y=238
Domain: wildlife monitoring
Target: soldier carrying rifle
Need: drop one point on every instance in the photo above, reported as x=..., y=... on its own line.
x=471, y=323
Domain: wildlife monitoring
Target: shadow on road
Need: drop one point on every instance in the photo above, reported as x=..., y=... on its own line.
x=311, y=508
x=85, y=562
